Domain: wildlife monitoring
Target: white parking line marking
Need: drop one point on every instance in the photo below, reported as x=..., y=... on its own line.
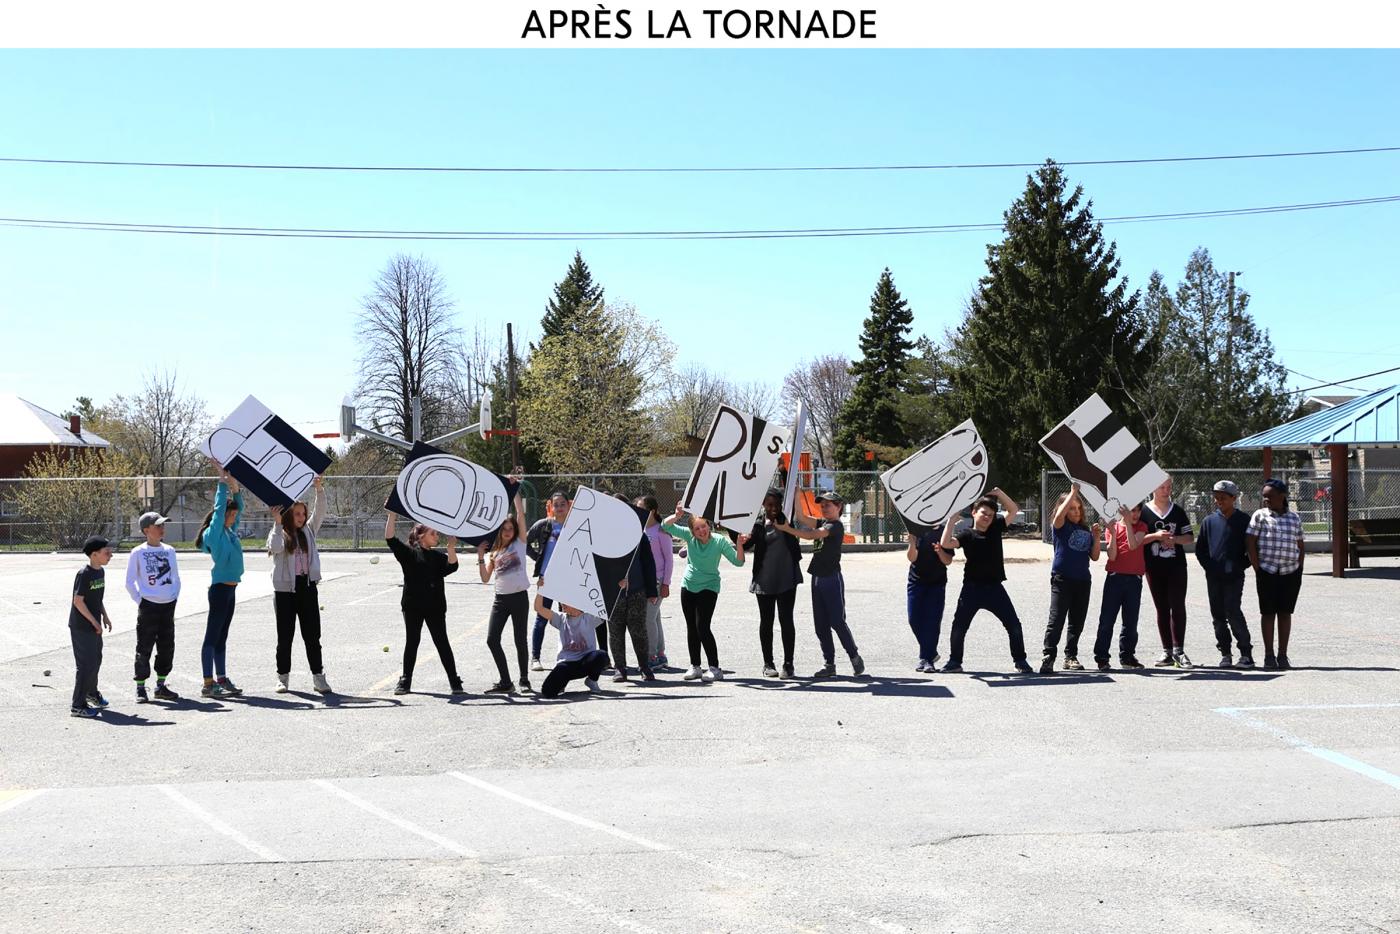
x=247, y=843
x=1297, y=742
x=13, y=799
x=1225, y=710
x=374, y=596
x=451, y=846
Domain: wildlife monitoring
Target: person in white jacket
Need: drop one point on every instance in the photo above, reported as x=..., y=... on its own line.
x=296, y=569
x=153, y=581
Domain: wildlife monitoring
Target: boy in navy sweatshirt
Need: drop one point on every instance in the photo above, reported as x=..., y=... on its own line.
x=153, y=581
x=1222, y=551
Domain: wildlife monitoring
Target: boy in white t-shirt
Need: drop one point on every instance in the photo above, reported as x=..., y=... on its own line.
x=153, y=581
x=579, y=655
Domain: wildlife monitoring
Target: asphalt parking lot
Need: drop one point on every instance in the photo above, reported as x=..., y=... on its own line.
x=1204, y=800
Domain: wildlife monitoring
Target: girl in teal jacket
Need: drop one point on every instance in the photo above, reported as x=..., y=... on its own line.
x=700, y=589
x=219, y=538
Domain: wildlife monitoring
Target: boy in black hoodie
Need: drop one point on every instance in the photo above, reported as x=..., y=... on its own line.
x=1223, y=554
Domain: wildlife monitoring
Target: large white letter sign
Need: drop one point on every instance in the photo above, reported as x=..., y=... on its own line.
x=934, y=483
x=799, y=435
x=734, y=470
x=1112, y=469
x=452, y=495
x=594, y=552
x=273, y=461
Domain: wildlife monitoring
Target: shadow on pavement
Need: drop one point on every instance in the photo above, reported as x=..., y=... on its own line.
x=125, y=719
x=1207, y=674
x=1385, y=574
x=1293, y=667
x=350, y=700
x=270, y=703
x=1019, y=680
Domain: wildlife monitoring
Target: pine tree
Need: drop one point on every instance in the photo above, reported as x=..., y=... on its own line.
x=1049, y=324
x=574, y=295
x=871, y=416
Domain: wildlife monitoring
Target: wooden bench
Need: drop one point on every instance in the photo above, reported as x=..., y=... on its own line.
x=1377, y=538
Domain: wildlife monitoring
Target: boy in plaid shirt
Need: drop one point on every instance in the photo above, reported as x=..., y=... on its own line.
x=1275, y=539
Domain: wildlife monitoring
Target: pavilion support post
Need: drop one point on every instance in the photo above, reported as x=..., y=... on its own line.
x=1268, y=463
x=1340, y=500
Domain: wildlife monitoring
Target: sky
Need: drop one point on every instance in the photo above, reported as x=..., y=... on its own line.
x=88, y=313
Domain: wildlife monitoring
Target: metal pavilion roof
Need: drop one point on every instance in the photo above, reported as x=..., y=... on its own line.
x=1369, y=421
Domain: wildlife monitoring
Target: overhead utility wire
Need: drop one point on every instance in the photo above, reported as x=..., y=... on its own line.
x=1294, y=392
x=1156, y=160
x=760, y=234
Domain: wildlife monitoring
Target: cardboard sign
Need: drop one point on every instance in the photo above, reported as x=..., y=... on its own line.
x=938, y=481
x=1096, y=451
x=799, y=432
x=452, y=495
x=734, y=470
x=595, y=550
x=271, y=459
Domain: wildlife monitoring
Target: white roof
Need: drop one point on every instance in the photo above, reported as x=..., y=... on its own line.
x=24, y=423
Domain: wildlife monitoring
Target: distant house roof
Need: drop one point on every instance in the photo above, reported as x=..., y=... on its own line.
x=1325, y=402
x=670, y=466
x=22, y=423
x=1369, y=421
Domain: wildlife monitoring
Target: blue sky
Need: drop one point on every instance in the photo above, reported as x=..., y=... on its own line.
x=91, y=311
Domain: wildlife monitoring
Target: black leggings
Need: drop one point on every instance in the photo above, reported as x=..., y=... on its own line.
x=516, y=607
x=414, y=620
x=699, y=609
x=303, y=604
x=1167, y=581
x=780, y=605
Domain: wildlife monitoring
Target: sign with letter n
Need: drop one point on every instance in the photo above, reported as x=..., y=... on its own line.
x=735, y=469
x=594, y=552
x=273, y=461
x=1095, y=449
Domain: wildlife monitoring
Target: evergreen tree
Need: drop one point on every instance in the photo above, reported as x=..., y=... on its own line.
x=1049, y=324
x=871, y=416
x=574, y=295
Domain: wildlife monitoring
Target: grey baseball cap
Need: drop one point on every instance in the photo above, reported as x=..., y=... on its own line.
x=149, y=519
x=1225, y=486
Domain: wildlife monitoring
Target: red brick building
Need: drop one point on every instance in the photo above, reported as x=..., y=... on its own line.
x=26, y=431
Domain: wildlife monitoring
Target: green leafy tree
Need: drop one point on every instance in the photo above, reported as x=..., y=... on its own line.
x=1215, y=378
x=871, y=415
x=1048, y=325
x=68, y=495
x=575, y=296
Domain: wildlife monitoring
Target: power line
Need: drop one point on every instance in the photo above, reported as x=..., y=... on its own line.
x=753, y=234
x=1306, y=376
x=1294, y=392
x=1155, y=160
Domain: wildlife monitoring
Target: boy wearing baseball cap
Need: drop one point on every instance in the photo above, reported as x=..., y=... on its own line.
x=1222, y=551
x=828, y=586
x=153, y=581
x=86, y=618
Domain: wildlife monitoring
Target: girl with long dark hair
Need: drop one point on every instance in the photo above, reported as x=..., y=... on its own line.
x=777, y=570
x=505, y=562
x=424, y=601
x=296, y=570
x=218, y=537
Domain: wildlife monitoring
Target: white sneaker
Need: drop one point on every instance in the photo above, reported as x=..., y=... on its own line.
x=282, y=682
x=693, y=674
x=717, y=674
x=592, y=685
x=319, y=682
x=535, y=665
x=708, y=675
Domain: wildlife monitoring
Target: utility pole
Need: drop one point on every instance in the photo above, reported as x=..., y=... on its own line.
x=1230, y=341
x=510, y=381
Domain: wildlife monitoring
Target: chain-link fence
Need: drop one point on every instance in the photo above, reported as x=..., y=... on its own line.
x=60, y=513
x=1371, y=494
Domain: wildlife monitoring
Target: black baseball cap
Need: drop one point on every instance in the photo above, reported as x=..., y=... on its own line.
x=830, y=497
x=94, y=544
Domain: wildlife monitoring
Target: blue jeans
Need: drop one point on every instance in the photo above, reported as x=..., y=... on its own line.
x=211, y=654
x=992, y=597
x=829, y=615
x=537, y=634
x=925, y=605
x=1121, y=592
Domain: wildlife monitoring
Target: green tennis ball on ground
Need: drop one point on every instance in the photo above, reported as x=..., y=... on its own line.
x=323, y=606
x=386, y=648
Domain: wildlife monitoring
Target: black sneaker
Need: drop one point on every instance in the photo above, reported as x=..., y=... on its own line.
x=1047, y=665
x=1130, y=662
x=1022, y=666
x=500, y=687
x=857, y=665
x=84, y=713
x=141, y=696
x=524, y=686
x=951, y=669
x=649, y=675
x=1103, y=664
x=97, y=700
x=1072, y=664
x=164, y=693
x=826, y=671
x=403, y=687
x=1283, y=663
x=230, y=689
x=788, y=673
